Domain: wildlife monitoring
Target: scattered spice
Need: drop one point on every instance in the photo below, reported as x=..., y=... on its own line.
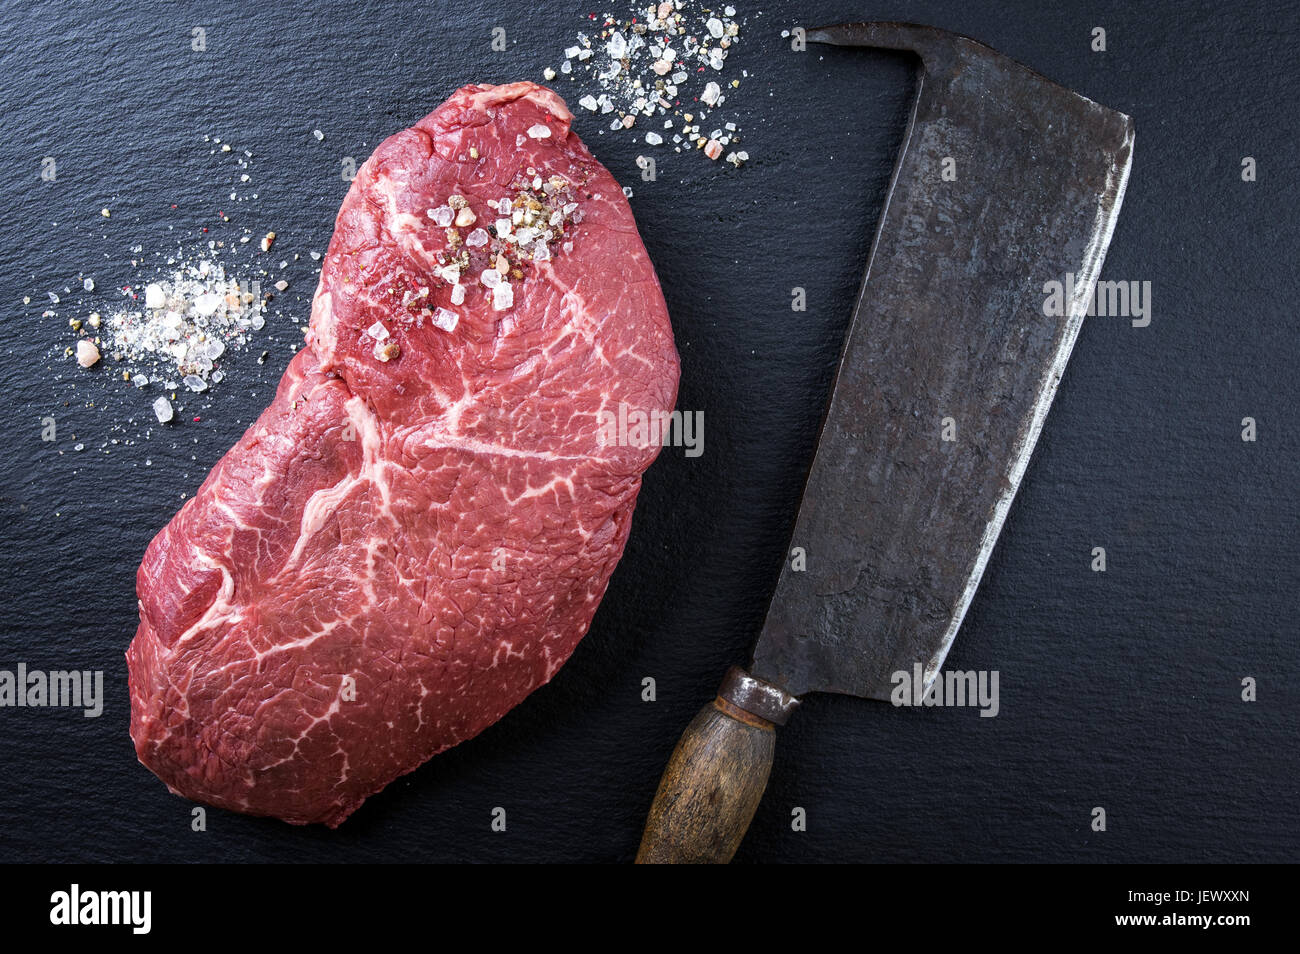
x=187, y=321
x=529, y=226
x=657, y=62
x=168, y=327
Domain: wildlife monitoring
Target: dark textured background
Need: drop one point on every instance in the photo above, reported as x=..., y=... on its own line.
x=1119, y=689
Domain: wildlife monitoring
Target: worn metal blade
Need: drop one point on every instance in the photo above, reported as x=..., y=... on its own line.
x=949, y=333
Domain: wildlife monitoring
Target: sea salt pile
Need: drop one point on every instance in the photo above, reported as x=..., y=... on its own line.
x=177, y=327
x=661, y=67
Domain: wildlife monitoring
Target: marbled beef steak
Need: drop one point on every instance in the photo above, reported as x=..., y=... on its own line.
x=416, y=533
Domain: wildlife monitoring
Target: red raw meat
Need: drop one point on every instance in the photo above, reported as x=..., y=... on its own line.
x=416, y=533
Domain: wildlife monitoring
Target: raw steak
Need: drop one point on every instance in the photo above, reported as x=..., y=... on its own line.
x=416, y=533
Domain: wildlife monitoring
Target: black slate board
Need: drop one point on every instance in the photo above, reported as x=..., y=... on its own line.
x=1119, y=689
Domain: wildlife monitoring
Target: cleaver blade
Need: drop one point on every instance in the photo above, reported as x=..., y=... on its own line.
x=997, y=219
x=1006, y=182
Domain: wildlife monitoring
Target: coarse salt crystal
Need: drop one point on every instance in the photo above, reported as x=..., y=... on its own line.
x=476, y=238
x=207, y=304
x=458, y=295
x=162, y=409
x=539, y=131
x=154, y=297
x=503, y=296
x=87, y=353
x=442, y=216
x=377, y=331
x=446, y=319
x=490, y=277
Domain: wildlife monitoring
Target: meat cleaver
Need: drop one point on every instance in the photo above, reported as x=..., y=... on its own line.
x=1006, y=182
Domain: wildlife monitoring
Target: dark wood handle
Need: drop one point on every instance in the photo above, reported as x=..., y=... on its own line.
x=710, y=789
x=716, y=776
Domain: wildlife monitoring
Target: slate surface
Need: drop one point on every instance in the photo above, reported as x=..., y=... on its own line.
x=1119, y=689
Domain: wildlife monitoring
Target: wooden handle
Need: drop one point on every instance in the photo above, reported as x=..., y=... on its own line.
x=716, y=776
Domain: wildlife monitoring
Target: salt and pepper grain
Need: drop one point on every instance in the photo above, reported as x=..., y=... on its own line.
x=651, y=63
